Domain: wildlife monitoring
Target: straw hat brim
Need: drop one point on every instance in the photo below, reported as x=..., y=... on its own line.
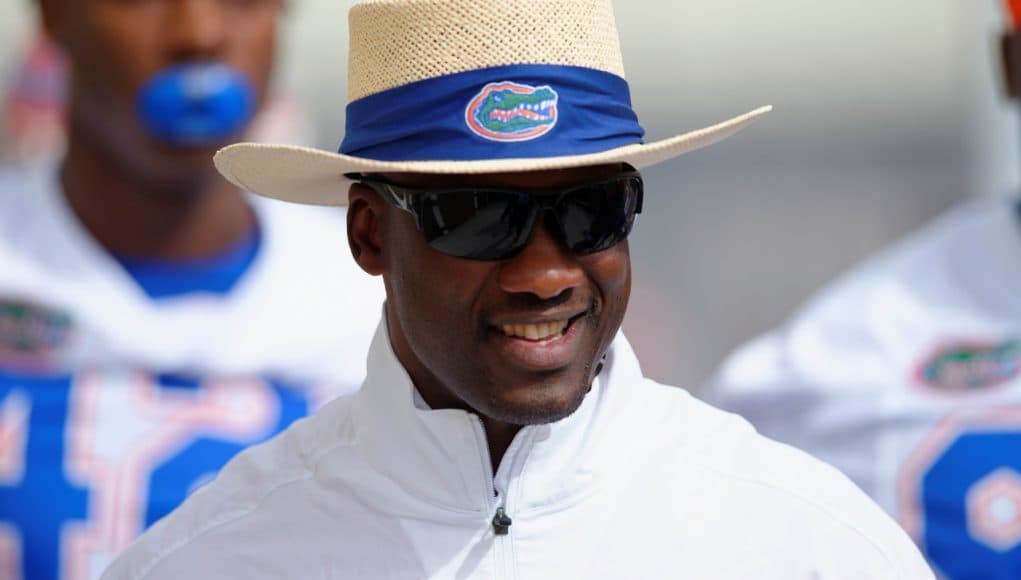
x=317, y=177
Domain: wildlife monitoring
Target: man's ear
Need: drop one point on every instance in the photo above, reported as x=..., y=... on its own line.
x=365, y=213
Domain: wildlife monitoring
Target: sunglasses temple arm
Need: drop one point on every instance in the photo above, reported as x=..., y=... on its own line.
x=399, y=199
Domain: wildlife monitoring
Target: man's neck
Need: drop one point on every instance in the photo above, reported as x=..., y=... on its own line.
x=132, y=216
x=499, y=436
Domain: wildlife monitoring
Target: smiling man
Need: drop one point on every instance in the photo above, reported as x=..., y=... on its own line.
x=528, y=319
x=505, y=428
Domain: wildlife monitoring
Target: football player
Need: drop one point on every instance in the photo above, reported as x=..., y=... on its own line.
x=154, y=319
x=906, y=374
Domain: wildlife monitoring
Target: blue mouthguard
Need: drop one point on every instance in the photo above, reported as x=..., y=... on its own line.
x=196, y=104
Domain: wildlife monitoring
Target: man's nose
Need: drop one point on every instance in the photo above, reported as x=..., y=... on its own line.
x=545, y=268
x=198, y=29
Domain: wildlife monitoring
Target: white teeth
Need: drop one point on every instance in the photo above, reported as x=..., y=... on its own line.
x=544, y=331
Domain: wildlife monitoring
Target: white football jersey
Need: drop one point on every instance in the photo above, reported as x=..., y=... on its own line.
x=115, y=403
x=905, y=375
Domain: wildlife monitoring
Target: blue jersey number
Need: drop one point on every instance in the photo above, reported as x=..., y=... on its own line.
x=171, y=482
x=44, y=500
x=971, y=502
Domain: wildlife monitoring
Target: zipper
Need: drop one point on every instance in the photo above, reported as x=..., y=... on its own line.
x=501, y=522
x=498, y=511
x=489, y=478
x=494, y=501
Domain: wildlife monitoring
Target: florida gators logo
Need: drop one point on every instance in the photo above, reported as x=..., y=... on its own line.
x=511, y=112
x=33, y=336
x=967, y=366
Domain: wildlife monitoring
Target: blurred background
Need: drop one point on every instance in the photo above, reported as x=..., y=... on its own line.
x=885, y=114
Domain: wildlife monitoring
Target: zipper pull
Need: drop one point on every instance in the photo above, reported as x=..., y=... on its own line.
x=501, y=522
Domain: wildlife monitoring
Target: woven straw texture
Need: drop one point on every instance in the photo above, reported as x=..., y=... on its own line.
x=396, y=42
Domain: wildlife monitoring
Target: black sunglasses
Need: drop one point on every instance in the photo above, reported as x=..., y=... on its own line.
x=496, y=223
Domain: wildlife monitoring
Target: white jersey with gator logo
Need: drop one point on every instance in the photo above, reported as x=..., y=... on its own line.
x=115, y=404
x=905, y=375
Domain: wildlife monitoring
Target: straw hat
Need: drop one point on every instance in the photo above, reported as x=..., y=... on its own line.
x=467, y=87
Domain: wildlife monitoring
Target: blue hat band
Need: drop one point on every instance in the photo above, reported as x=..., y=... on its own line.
x=509, y=112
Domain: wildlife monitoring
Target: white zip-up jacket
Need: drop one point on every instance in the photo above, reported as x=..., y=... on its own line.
x=643, y=481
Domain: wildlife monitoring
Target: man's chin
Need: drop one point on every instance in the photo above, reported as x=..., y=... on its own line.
x=537, y=406
x=192, y=157
x=177, y=169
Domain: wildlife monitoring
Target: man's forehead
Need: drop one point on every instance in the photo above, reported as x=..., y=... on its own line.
x=526, y=179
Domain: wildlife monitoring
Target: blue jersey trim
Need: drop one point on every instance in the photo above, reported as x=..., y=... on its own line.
x=162, y=279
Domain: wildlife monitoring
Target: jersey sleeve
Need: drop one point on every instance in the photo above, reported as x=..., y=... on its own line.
x=810, y=391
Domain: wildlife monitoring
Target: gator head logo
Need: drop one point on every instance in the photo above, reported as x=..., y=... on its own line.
x=32, y=336
x=965, y=367
x=512, y=112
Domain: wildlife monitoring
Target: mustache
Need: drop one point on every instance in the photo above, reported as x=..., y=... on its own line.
x=530, y=302
x=570, y=302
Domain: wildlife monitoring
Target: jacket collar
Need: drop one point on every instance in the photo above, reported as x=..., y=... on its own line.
x=441, y=456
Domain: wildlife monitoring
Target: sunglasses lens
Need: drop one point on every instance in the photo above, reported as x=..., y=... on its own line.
x=598, y=217
x=477, y=224
x=484, y=224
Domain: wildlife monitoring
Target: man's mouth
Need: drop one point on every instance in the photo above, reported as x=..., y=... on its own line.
x=541, y=332
x=542, y=344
